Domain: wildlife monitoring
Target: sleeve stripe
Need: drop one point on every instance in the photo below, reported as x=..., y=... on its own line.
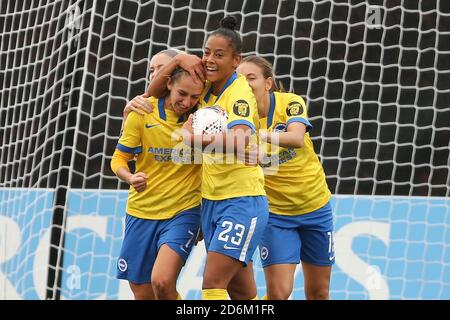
x=126, y=149
x=244, y=122
x=308, y=124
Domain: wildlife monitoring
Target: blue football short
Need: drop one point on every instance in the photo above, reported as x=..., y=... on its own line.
x=306, y=237
x=234, y=226
x=144, y=237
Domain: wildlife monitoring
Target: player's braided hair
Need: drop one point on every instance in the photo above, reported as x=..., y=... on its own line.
x=227, y=29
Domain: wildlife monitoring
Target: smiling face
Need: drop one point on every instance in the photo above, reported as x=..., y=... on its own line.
x=219, y=59
x=255, y=78
x=157, y=62
x=184, y=92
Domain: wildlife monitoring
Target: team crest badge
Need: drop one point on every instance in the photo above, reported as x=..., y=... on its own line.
x=264, y=253
x=279, y=127
x=122, y=265
x=241, y=108
x=294, y=109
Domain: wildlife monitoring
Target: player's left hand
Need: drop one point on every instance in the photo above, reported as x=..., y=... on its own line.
x=188, y=125
x=251, y=155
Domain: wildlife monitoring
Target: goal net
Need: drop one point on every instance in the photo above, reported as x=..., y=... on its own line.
x=376, y=78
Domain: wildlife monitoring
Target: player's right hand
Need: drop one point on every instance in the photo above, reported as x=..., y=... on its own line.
x=138, y=181
x=263, y=134
x=192, y=64
x=139, y=104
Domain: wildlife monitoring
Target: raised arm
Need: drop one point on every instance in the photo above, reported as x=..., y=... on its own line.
x=188, y=62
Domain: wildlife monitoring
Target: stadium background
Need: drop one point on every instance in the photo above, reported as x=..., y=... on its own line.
x=378, y=98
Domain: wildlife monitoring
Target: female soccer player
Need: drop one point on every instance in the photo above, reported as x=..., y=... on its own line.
x=234, y=206
x=163, y=208
x=140, y=103
x=300, y=224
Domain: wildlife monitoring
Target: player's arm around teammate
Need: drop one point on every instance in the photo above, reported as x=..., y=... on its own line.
x=159, y=233
x=234, y=206
x=141, y=103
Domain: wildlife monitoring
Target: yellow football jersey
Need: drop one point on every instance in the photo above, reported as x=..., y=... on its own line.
x=233, y=178
x=294, y=178
x=173, y=183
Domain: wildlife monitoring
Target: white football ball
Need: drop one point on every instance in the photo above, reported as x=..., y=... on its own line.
x=209, y=120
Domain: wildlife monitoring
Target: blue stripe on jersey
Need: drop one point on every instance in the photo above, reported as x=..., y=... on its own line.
x=227, y=84
x=271, y=109
x=126, y=149
x=308, y=124
x=162, y=111
x=244, y=122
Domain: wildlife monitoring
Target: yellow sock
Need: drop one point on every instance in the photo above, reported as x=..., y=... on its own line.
x=214, y=294
x=179, y=296
x=256, y=298
x=264, y=297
